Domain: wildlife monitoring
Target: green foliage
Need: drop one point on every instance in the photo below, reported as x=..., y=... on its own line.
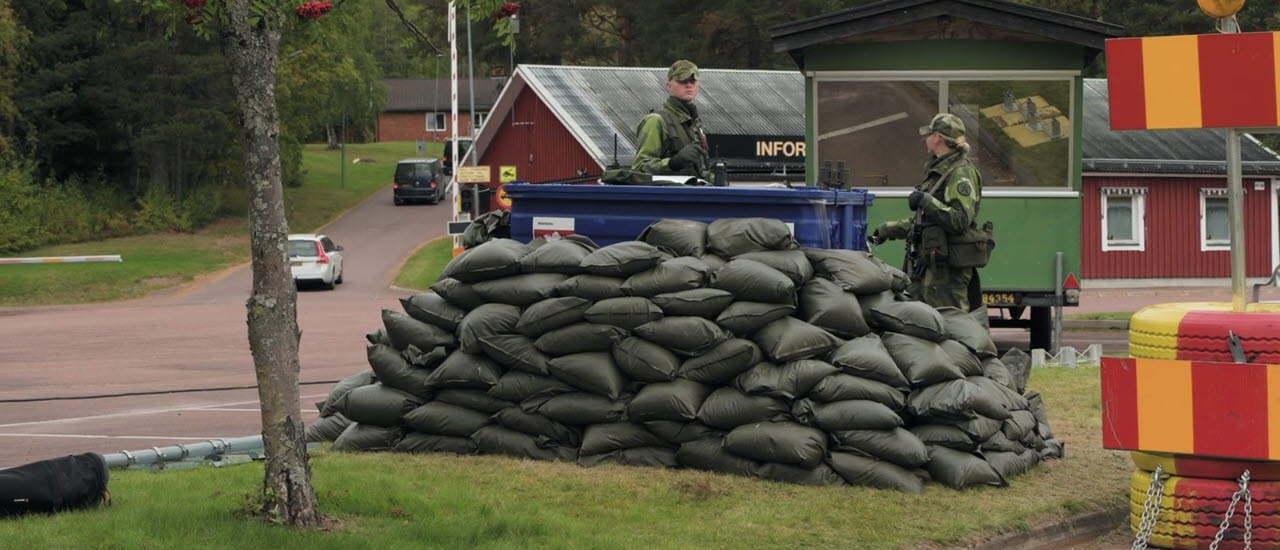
x=422, y=268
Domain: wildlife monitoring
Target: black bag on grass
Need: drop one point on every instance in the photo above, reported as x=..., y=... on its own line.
x=404, y=331
x=709, y=454
x=68, y=483
x=854, y=414
x=326, y=429
x=427, y=443
x=784, y=442
x=645, y=361
x=1019, y=425
x=1035, y=404
x=433, y=309
x=996, y=370
x=1000, y=443
x=677, y=400
x=979, y=428
x=651, y=457
x=825, y=305
x=592, y=287
x=363, y=437
x=535, y=424
x=727, y=408
x=787, y=381
x=958, y=399
x=818, y=476
x=516, y=386
x=753, y=281
x=682, y=237
x=516, y=352
x=458, y=293
x=492, y=260
x=580, y=338
x=945, y=436
x=464, y=371
x=965, y=328
x=747, y=318
x=790, y=339
x=497, y=440
x=958, y=469
x=699, y=302
x=855, y=271
x=869, y=472
x=551, y=314
x=486, y=320
x=578, y=408
x=962, y=358
x=898, y=445
x=689, y=336
x=792, y=263
x=394, y=372
x=559, y=256
x=475, y=400
x=911, y=318
x=615, y=436
x=444, y=419
x=1011, y=400
x=679, y=433
x=520, y=290
x=867, y=357
x=923, y=362
x=622, y=259
x=377, y=405
x=722, y=363
x=843, y=387
x=593, y=372
x=730, y=237
x=626, y=313
x=330, y=404
x=1010, y=464
x=674, y=275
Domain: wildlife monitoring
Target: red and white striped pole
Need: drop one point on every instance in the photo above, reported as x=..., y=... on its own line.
x=453, y=120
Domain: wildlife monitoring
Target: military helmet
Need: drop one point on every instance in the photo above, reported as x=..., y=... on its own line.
x=947, y=124
x=682, y=70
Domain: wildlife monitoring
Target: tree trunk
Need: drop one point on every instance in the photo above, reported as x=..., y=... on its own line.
x=251, y=51
x=332, y=134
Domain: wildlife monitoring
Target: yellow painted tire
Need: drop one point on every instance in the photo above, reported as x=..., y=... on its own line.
x=1220, y=8
x=1198, y=331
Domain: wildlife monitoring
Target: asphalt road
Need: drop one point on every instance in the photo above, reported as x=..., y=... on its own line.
x=191, y=339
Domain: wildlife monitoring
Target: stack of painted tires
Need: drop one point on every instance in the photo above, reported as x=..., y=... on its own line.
x=1199, y=490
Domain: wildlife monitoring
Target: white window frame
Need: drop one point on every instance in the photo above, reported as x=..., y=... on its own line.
x=477, y=120
x=1139, y=217
x=1205, y=244
x=432, y=116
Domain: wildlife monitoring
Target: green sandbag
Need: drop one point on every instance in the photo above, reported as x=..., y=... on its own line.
x=853, y=414
x=867, y=357
x=1052, y=448
x=578, y=408
x=783, y=442
x=979, y=428
x=855, y=271
x=593, y=372
x=497, y=440
x=945, y=436
x=818, y=476
x=591, y=287
x=394, y=372
x=963, y=327
x=708, y=454
x=869, y=472
x=958, y=469
x=579, y=338
x=753, y=281
x=923, y=362
x=560, y=256
x=516, y=386
x=1010, y=464
x=520, y=290
x=514, y=418
x=842, y=387
x=328, y=428
x=363, y=437
x=433, y=309
x=962, y=357
x=427, y=443
x=1009, y=398
x=674, y=275
x=444, y=419
x=677, y=400
x=551, y=314
x=428, y=360
x=958, y=399
x=378, y=337
x=1017, y=427
x=404, y=331
x=330, y=404
x=515, y=352
x=872, y=301
x=995, y=369
x=699, y=302
x=1035, y=404
x=681, y=237
x=625, y=313
x=727, y=408
x=714, y=262
x=464, y=371
x=827, y=306
x=475, y=400
x=1000, y=443
x=622, y=259
x=688, y=336
x=792, y=263
x=492, y=260
x=787, y=381
x=790, y=339
x=615, y=436
x=645, y=361
x=722, y=363
x=377, y=405
x=911, y=318
x=730, y=237
x=458, y=293
x=650, y=457
x=746, y=318
x=898, y=445
x=486, y=320
x=679, y=433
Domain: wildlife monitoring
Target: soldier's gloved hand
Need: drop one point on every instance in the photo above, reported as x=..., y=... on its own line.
x=913, y=201
x=881, y=234
x=687, y=157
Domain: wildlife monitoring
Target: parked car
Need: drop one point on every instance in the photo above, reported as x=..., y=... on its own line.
x=418, y=180
x=314, y=258
x=446, y=159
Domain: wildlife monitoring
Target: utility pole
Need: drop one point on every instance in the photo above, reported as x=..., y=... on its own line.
x=342, y=146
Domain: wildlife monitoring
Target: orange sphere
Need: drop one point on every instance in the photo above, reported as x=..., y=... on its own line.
x=1220, y=8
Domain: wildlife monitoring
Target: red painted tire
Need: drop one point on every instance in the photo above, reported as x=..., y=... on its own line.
x=1200, y=510
x=1211, y=518
x=1199, y=489
x=1197, y=331
x=1213, y=468
x=1200, y=543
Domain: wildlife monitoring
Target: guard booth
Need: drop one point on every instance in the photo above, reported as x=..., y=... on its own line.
x=876, y=73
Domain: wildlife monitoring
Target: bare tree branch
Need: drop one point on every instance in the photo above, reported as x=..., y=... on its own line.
x=412, y=28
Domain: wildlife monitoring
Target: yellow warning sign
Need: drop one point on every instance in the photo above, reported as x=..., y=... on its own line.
x=506, y=174
x=473, y=174
x=504, y=200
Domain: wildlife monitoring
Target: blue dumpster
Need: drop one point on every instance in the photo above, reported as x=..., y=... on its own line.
x=614, y=213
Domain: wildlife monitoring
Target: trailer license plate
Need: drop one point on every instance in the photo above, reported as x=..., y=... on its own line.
x=998, y=298
x=295, y=264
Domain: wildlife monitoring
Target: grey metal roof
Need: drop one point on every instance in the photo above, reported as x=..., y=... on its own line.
x=1160, y=151
x=432, y=94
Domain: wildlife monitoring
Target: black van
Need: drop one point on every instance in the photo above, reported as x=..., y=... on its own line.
x=464, y=143
x=418, y=180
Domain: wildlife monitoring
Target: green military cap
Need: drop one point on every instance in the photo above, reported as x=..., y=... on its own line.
x=947, y=124
x=682, y=70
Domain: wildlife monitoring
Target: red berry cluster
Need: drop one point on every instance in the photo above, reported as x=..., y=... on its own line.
x=193, y=4
x=507, y=10
x=313, y=9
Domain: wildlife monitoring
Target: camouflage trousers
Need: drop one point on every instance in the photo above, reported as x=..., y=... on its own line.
x=946, y=286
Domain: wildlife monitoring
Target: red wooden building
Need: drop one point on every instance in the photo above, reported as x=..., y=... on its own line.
x=1154, y=208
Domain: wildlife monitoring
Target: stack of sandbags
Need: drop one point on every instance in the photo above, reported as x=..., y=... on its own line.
x=719, y=346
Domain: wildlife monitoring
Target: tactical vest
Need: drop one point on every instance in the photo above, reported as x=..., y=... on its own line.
x=678, y=136
x=968, y=249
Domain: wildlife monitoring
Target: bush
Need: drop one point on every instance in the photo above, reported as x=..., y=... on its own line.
x=158, y=212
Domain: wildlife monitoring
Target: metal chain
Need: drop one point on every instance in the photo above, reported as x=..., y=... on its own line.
x=1247, y=495
x=1150, y=509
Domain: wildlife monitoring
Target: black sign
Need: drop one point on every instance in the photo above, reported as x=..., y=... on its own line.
x=782, y=148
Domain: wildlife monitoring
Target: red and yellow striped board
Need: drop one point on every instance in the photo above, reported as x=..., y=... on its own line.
x=1194, y=81
x=1225, y=410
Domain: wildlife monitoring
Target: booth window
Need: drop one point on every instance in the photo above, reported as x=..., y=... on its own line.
x=1123, y=221
x=435, y=122
x=1215, y=220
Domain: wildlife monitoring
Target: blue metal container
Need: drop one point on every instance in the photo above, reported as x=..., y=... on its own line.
x=615, y=213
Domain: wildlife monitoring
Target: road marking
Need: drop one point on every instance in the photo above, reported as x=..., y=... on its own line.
x=139, y=413
x=863, y=126
x=84, y=436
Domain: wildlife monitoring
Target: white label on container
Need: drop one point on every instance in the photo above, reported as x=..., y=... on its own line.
x=543, y=227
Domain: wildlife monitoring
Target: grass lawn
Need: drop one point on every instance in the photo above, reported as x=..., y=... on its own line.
x=153, y=262
x=1103, y=316
x=424, y=501
x=422, y=269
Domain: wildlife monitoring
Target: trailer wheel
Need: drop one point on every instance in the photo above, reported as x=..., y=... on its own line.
x=1041, y=327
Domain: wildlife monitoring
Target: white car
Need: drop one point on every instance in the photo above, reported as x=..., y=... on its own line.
x=315, y=259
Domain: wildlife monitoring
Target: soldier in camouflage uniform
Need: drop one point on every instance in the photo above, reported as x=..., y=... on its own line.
x=945, y=207
x=670, y=140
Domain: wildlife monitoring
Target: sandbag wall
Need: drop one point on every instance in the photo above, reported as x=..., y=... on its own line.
x=719, y=346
